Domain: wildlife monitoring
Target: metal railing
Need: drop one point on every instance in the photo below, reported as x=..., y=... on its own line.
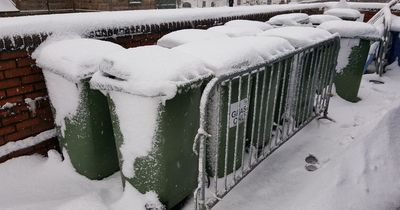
x=383, y=18
x=247, y=115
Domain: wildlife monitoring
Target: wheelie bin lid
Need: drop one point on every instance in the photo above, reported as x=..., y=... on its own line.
x=291, y=19
x=223, y=55
x=236, y=31
x=269, y=48
x=344, y=13
x=184, y=36
x=351, y=29
x=150, y=71
x=299, y=36
x=248, y=23
x=318, y=19
x=74, y=58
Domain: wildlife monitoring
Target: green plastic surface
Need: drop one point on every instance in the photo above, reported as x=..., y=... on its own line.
x=170, y=169
x=89, y=139
x=347, y=82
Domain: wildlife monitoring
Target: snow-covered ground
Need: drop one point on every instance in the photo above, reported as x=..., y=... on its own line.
x=358, y=155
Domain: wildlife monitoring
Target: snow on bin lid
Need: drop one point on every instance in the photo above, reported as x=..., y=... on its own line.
x=318, y=19
x=148, y=71
x=351, y=29
x=236, y=31
x=269, y=48
x=180, y=37
x=343, y=13
x=244, y=23
x=395, y=26
x=223, y=55
x=289, y=19
x=299, y=36
x=75, y=58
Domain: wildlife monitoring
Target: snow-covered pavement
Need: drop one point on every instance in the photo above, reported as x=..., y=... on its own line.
x=358, y=155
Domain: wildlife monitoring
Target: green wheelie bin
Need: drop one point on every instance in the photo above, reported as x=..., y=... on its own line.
x=154, y=97
x=82, y=117
x=302, y=70
x=355, y=41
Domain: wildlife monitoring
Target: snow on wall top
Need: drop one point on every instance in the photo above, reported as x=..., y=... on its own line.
x=343, y=13
x=318, y=19
x=184, y=36
x=148, y=71
x=351, y=29
x=78, y=59
x=223, y=55
x=236, y=31
x=289, y=19
x=299, y=36
x=83, y=23
x=7, y=6
x=361, y=5
x=245, y=23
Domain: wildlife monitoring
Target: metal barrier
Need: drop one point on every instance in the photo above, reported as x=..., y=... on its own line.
x=247, y=115
x=384, y=18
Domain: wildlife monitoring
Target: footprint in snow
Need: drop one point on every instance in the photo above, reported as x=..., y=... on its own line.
x=312, y=163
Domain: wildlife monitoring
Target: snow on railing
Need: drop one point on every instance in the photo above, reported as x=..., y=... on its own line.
x=246, y=115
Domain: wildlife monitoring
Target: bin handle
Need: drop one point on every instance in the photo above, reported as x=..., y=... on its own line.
x=200, y=132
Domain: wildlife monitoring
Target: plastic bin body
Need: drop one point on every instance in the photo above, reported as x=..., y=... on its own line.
x=170, y=169
x=394, y=53
x=88, y=136
x=348, y=81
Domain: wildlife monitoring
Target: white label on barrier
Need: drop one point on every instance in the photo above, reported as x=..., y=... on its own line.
x=238, y=112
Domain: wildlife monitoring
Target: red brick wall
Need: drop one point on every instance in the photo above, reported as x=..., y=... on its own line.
x=20, y=78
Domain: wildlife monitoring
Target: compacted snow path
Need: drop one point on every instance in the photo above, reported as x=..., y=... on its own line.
x=358, y=159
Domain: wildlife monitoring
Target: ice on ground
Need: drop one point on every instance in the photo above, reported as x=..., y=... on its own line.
x=245, y=23
x=291, y=19
x=236, y=31
x=318, y=19
x=35, y=182
x=148, y=71
x=223, y=55
x=299, y=36
x=184, y=36
x=343, y=13
x=269, y=48
x=351, y=29
x=74, y=58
